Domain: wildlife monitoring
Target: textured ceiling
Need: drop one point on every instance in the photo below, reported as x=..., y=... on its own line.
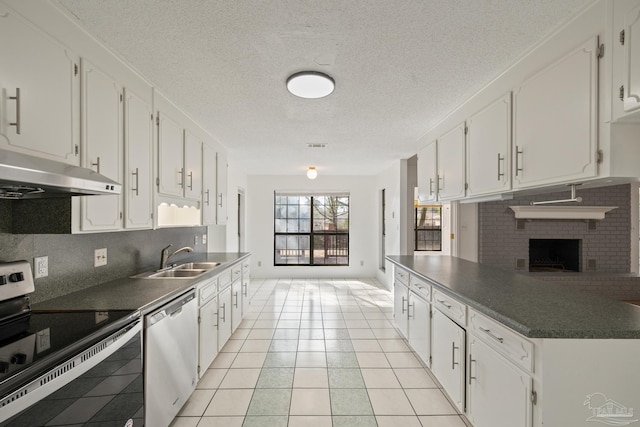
x=400, y=66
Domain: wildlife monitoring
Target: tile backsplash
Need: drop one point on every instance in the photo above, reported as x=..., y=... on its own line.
x=71, y=256
x=503, y=240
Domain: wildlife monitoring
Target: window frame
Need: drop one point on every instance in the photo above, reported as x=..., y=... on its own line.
x=312, y=234
x=416, y=229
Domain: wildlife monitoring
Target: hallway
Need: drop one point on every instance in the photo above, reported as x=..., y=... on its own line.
x=317, y=352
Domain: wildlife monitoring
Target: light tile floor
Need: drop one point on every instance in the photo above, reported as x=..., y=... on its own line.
x=317, y=353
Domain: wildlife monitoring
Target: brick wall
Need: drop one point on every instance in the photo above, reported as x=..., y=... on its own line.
x=501, y=243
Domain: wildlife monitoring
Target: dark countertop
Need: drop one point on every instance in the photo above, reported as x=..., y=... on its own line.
x=138, y=294
x=532, y=307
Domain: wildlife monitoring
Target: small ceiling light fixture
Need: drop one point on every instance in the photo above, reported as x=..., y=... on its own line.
x=310, y=84
x=312, y=173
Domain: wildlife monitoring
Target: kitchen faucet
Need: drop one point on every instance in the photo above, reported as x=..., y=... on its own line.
x=164, y=255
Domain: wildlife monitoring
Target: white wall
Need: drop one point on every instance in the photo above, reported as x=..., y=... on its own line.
x=363, y=233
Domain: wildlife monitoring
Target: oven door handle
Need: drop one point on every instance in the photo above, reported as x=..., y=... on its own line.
x=67, y=371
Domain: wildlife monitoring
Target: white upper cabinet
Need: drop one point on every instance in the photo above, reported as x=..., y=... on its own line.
x=627, y=16
x=39, y=105
x=102, y=116
x=451, y=164
x=555, y=121
x=427, y=173
x=222, y=168
x=209, y=185
x=138, y=140
x=170, y=156
x=192, y=166
x=488, y=149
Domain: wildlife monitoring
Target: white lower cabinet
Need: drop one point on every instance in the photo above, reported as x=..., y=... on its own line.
x=499, y=393
x=448, y=357
x=400, y=304
x=224, y=316
x=208, y=335
x=236, y=304
x=419, y=327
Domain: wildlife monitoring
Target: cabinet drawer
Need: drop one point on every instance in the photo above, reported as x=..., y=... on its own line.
x=449, y=306
x=224, y=280
x=401, y=275
x=208, y=290
x=504, y=340
x=420, y=287
x=236, y=272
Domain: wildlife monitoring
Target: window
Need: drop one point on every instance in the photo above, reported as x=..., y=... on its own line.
x=428, y=228
x=311, y=229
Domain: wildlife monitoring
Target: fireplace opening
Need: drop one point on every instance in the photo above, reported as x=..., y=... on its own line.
x=554, y=255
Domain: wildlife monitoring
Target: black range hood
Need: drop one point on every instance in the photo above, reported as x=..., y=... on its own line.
x=28, y=177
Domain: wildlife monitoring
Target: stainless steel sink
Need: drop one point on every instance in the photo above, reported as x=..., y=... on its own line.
x=178, y=273
x=197, y=266
x=188, y=270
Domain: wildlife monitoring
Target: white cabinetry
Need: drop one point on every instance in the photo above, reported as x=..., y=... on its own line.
x=401, y=300
x=207, y=325
x=224, y=310
x=39, y=80
x=451, y=164
x=499, y=392
x=419, y=327
x=448, y=356
x=555, y=121
x=221, y=188
x=170, y=156
x=626, y=33
x=428, y=173
x=192, y=166
x=209, y=205
x=488, y=148
x=102, y=116
x=138, y=142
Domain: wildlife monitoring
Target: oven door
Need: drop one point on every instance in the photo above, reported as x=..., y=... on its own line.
x=103, y=385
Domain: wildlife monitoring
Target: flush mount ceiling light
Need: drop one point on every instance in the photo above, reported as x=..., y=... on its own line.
x=312, y=173
x=310, y=84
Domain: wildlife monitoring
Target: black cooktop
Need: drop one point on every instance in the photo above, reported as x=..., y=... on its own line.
x=33, y=343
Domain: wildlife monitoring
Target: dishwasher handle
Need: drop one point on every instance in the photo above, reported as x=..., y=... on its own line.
x=171, y=309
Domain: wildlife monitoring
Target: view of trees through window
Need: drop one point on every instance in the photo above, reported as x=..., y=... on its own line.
x=428, y=228
x=311, y=229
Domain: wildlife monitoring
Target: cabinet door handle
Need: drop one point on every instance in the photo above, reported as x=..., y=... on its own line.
x=430, y=186
x=403, y=309
x=453, y=355
x=17, y=99
x=495, y=337
x=235, y=304
x=191, y=181
x=220, y=202
x=440, y=178
x=97, y=164
x=414, y=310
x=137, y=182
x=224, y=312
x=244, y=285
x=443, y=302
x=500, y=174
x=471, y=377
x=207, y=193
x=216, y=325
x=519, y=152
x=181, y=180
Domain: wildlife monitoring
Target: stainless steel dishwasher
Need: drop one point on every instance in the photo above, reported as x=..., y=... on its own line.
x=171, y=358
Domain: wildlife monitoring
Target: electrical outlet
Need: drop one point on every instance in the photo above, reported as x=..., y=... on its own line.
x=100, y=257
x=41, y=266
x=204, y=239
x=259, y=263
